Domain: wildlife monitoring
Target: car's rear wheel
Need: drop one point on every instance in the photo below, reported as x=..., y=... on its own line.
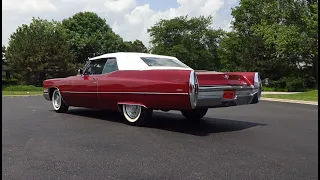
x=194, y=114
x=256, y=98
x=136, y=115
x=58, y=103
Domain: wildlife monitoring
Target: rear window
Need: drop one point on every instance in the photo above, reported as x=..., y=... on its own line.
x=163, y=62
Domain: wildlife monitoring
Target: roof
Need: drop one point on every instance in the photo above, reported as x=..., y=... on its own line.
x=133, y=61
x=122, y=54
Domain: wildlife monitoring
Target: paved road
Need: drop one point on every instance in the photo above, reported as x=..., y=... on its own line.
x=266, y=141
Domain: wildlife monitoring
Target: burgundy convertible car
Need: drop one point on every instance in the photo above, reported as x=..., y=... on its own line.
x=138, y=83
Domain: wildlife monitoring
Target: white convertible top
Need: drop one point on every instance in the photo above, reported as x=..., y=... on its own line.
x=133, y=61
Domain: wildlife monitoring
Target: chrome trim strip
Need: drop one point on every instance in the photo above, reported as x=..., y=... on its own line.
x=217, y=88
x=194, y=94
x=149, y=93
x=76, y=92
x=256, y=80
x=133, y=104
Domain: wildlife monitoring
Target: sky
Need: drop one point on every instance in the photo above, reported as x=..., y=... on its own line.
x=128, y=18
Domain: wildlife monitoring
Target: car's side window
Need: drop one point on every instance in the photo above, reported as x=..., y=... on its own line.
x=110, y=66
x=95, y=67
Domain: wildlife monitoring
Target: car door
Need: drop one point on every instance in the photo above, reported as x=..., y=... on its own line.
x=107, y=100
x=85, y=87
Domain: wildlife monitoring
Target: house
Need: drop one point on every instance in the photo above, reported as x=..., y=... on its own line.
x=6, y=72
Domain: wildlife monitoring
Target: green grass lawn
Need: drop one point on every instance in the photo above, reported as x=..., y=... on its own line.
x=304, y=96
x=21, y=90
x=10, y=93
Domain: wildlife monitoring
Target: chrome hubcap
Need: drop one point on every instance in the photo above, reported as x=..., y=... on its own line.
x=56, y=100
x=133, y=111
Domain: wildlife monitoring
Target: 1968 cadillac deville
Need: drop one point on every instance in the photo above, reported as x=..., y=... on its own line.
x=138, y=83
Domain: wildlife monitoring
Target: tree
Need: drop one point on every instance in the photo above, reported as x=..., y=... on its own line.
x=193, y=41
x=38, y=51
x=249, y=52
x=136, y=46
x=3, y=56
x=275, y=36
x=89, y=36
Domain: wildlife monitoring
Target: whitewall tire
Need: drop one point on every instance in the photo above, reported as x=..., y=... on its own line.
x=58, y=103
x=136, y=115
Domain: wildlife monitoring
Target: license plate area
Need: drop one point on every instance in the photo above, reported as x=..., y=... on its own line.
x=228, y=94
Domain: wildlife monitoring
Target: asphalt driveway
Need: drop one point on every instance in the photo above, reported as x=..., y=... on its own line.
x=269, y=140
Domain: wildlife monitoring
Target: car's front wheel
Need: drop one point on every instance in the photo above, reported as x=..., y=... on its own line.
x=136, y=115
x=194, y=114
x=58, y=103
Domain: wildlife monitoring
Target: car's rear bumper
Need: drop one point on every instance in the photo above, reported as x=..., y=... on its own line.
x=213, y=96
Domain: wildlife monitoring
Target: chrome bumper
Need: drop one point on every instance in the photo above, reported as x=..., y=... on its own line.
x=46, y=94
x=213, y=96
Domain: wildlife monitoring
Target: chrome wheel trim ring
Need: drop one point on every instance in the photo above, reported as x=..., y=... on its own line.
x=131, y=112
x=56, y=100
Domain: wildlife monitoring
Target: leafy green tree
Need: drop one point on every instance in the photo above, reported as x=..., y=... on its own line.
x=39, y=51
x=274, y=37
x=244, y=48
x=193, y=41
x=89, y=36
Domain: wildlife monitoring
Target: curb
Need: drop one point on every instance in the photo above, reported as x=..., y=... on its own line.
x=268, y=92
x=290, y=101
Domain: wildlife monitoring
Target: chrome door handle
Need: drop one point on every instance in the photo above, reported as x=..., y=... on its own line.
x=95, y=80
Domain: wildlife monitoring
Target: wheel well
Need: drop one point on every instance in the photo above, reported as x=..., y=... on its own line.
x=120, y=107
x=51, y=90
x=123, y=103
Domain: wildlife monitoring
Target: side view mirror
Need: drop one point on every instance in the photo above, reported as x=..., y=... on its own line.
x=80, y=71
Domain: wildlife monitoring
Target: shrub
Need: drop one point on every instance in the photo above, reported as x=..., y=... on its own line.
x=296, y=84
x=8, y=82
x=290, y=84
x=264, y=88
x=310, y=83
x=279, y=85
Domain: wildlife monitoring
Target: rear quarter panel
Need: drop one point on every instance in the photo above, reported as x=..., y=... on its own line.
x=156, y=89
x=248, y=75
x=211, y=78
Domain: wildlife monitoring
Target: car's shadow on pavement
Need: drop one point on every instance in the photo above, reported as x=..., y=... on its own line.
x=173, y=122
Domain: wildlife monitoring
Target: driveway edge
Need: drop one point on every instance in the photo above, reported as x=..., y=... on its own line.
x=21, y=95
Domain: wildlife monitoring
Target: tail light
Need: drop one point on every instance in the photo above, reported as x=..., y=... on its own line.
x=193, y=89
